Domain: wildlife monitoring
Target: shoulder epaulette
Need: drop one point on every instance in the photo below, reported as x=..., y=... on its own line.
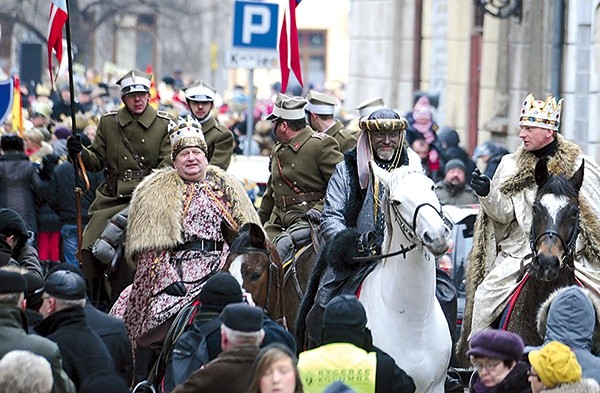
x=111, y=113
x=319, y=135
x=166, y=115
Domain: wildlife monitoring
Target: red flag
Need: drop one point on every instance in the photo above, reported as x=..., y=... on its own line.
x=58, y=17
x=289, y=53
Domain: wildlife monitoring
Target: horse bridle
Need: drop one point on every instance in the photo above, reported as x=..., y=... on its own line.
x=568, y=247
x=273, y=271
x=409, y=231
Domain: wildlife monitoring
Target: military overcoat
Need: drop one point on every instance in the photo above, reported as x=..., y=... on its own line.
x=219, y=141
x=149, y=138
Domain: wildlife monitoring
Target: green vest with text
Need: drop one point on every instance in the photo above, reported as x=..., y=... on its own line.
x=345, y=362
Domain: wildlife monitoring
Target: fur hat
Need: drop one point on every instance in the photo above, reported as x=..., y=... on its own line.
x=496, y=344
x=555, y=364
x=219, y=291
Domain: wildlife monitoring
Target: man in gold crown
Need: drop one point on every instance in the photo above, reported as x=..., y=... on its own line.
x=174, y=237
x=501, y=243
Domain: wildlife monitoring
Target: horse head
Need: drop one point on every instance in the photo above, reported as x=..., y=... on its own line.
x=253, y=260
x=412, y=206
x=555, y=221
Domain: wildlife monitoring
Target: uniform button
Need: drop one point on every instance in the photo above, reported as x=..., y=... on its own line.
x=142, y=157
x=125, y=158
x=293, y=165
x=143, y=141
x=120, y=195
x=295, y=183
x=278, y=184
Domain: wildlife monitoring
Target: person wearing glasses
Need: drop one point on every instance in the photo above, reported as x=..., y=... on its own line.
x=554, y=368
x=496, y=357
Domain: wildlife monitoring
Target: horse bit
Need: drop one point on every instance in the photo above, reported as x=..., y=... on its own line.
x=409, y=231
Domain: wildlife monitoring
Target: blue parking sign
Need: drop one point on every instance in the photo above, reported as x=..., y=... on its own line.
x=255, y=25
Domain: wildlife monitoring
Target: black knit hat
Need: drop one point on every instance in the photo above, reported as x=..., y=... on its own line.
x=11, y=223
x=449, y=136
x=35, y=291
x=12, y=282
x=65, y=284
x=496, y=344
x=242, y=317
x=345, y=311
x=220, y=290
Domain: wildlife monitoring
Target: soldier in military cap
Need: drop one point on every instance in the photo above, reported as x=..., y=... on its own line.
x=369, y=106
x=320, y=109
x=200, y=98
x=129, y=143
x=301, y=163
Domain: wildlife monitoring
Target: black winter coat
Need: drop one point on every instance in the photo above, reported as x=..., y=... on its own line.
x=113, y=333
x=82, y=350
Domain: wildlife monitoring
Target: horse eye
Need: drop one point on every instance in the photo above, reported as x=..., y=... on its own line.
x=255, y=276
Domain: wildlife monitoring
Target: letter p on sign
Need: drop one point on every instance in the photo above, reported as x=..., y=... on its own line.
x=255, y=25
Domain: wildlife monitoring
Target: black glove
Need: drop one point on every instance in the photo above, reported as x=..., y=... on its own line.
x=480, y=183
x=313, y=215
x=176, y=289
x=74, y=145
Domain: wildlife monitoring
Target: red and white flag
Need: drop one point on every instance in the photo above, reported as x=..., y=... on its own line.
x=58, y=17
x=289, y=53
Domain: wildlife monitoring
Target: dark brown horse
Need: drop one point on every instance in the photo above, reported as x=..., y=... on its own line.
x=554, y=231
x=277, y=288
x=254, y=261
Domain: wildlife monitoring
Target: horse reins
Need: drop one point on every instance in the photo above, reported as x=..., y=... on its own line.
x=408, y=230
x=568, y=247
x=273, y=270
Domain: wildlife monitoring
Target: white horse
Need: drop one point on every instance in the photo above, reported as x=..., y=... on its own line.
x=403, y=313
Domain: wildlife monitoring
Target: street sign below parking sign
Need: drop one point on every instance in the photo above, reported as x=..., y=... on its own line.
x=255, y=25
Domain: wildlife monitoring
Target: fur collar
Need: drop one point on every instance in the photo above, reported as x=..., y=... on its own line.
x=156, y=215
x=562, y=162
x=542, y=316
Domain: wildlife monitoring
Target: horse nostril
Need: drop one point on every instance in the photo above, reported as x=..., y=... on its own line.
x=427, y=239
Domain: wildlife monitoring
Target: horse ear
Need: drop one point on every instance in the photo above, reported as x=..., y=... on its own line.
x=229, y=234
x=541, y=171
x=577, y=177
x=381, y=174
x=257, y=236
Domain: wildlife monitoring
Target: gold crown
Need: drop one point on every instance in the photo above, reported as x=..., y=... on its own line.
x=543, y=114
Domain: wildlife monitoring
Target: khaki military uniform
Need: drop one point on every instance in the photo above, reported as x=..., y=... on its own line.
x=219, y=141
x=300, y=171
x=343, y=137
x=149, y=138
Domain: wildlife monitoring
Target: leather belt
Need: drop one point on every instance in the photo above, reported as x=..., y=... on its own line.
x=285, y=201
x=133, y=174
x=201, y=245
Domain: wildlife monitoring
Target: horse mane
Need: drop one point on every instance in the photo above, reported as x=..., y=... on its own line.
x=558, y=185
x=338, y=253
